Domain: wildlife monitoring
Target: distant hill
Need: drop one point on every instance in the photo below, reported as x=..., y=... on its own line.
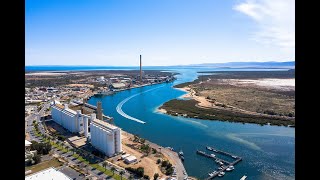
x=270, y=64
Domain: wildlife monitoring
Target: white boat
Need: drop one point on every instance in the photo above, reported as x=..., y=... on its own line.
x=182, y=158
x=212, y=155
x=217, y=161
x=221, y=174
x=220, y=168
x=210, y=174
x=214, y=150
x=170, y=148
x=229, y=169
x=209, y=148
x=235, y=157
x=221, y=163
x=243, y=177
x=181, y=153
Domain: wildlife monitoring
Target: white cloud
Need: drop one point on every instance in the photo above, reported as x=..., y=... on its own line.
x=275, y=19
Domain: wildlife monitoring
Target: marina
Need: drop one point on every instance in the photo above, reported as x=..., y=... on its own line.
x=224, y=165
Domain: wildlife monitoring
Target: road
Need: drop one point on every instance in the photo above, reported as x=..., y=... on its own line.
x=35, y=116
x=174, y=156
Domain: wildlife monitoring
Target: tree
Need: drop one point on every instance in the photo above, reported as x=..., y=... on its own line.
x=121, y=173
x=140, y=171
x=58, y=143
x=136, y=138
x=146, y=177
x=104, y=164
x=131, y=176
x=154, y=151
x=113, y=169
x=164, y=163
x=155, y=176
x=72, y=150
x=158, y=161
x=37, y=158
x=78, y=152
x=42, y=148
x=169, y=171
x=91, y=157
x=169, y=165
x=67, y=147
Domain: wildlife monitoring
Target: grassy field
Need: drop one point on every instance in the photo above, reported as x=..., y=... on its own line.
x=44, y=165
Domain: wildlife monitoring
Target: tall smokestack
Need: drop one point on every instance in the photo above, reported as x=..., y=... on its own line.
x=140, y=70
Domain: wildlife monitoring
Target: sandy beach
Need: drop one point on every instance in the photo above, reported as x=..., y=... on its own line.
x=192, y=95
x=161, y=110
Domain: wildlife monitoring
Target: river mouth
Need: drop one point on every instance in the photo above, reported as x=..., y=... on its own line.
x=191, y=134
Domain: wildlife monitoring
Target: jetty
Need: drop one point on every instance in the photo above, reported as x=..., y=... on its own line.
x=226, y=163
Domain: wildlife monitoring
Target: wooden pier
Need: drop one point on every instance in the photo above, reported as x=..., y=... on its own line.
x=226, y=163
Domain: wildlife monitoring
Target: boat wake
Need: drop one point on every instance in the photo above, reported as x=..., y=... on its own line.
x=236, y=137
x=119, y=106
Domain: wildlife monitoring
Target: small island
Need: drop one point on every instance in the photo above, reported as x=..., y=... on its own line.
x=260, y=97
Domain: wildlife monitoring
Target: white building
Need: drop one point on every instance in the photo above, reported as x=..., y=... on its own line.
x=105, y=137
x=68, y=118
x=130, y=159
x=124, y=156
x=101, y=78
x=118, y=85
x=50, y=173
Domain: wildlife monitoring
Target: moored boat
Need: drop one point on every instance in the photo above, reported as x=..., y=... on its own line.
x=221, y=174
x=243, y=177
x=230, y=168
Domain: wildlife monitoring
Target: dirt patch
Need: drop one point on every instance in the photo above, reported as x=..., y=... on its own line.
x=147, y=162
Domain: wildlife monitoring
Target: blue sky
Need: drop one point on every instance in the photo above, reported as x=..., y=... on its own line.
x=165, y=32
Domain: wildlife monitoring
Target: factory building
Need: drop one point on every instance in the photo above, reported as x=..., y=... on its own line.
x=105, y=137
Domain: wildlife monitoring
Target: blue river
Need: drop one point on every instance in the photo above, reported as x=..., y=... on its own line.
x=268, y=152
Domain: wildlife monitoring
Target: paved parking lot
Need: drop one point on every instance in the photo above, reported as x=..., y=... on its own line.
x=71, y=173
